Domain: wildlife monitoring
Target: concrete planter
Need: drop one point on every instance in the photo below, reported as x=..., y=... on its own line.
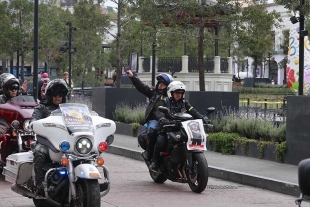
x=270, y=152
x=124, y=129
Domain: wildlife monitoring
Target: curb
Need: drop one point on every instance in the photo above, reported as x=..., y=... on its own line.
x=224, y=174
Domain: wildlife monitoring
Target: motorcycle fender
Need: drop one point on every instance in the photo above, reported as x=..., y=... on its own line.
x=87, y=171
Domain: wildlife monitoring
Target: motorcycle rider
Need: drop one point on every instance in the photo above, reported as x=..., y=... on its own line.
x=10, y=87
x=176, y=103
x=154, y=95
x=56, y=92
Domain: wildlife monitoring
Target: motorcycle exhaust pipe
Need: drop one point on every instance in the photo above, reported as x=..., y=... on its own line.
x=22, y=191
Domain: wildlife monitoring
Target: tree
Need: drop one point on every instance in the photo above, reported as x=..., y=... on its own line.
x=90, y=26
x=52, y=30
x=253, y=32
x=296, y=5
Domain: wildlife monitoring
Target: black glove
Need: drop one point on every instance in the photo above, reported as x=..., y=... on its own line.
x=206, y=120
x=164, y=121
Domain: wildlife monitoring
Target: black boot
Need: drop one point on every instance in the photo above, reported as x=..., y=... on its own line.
x=154, y=166
x=40, y=159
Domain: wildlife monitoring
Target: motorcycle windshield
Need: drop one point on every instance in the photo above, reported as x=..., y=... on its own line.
x=23, y=100
x=76, y=117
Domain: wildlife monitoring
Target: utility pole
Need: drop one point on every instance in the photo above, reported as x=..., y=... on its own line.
x=153, y=63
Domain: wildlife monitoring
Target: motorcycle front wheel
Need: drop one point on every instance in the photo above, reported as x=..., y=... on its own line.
x=87, y=193
x=198, y=179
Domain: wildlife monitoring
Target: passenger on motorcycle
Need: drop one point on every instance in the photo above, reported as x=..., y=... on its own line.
x=176, y=103
x=10, y=87
x=56, y=92
x=154, y=95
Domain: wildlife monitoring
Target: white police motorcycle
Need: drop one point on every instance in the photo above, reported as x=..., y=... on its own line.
x=75, y=137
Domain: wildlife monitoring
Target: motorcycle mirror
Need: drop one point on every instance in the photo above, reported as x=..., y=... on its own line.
x=303, y=176
x=164, y=110
x=110, y=139
x=210, y=110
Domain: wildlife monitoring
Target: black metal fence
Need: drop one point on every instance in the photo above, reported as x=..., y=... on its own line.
x=169, y=64
x=224, y=65
x=146, y=64
x=193, y=65
x=174, y=64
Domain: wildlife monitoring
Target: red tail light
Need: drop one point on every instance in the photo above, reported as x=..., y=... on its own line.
x=103, y=146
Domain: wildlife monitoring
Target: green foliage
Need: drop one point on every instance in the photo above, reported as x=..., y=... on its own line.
x=135, y=129
x=281, y=149
x=127, y=114
x=232, y=122
x=223, y=142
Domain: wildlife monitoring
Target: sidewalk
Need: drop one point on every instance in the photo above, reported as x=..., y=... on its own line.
x=282, y=178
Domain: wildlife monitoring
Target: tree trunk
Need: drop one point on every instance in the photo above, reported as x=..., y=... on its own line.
x=118, y=43
x=23, y=64
x=200, y=57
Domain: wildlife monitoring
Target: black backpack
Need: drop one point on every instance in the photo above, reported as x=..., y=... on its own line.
x=142, y=139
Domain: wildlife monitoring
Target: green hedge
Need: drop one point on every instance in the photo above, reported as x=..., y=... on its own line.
x=272, y=90
x=226, y=143
x=127, y=114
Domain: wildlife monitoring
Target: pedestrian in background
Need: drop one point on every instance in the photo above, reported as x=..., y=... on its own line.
x=70, y=89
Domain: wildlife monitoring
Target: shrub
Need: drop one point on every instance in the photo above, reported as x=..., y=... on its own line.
x=232, y=121
x=223, y=142
x=135, y=129
x=126, y=114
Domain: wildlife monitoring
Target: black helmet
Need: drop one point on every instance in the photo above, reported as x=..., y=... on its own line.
x=8, y=80
x=56, y=87
x=165, y=79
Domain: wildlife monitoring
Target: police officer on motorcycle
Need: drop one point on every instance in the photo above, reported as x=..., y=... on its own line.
x=176, y=103
x=56, y=92
x=10, y=87
x=154, y=95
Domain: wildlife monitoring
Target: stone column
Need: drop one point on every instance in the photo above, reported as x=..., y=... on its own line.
x=151, y=60
x=141, y=70
x=184, y=64
x=229, y=59
x=217, y=64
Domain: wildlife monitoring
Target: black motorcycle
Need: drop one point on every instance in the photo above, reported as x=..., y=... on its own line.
x=183, y=160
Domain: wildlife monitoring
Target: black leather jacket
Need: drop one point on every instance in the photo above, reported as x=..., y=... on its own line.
x=153, y=96
x=42, y=111
x=177, y=107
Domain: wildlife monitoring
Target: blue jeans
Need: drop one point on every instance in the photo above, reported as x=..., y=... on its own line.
x=152, y=124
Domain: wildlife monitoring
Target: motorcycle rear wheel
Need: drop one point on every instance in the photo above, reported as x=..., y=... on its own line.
x=198, y=180
x=158, y=177
x=87, y=193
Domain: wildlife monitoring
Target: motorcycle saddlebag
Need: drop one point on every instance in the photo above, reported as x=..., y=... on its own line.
x=142, y=139
x=304, y=176
x=18, y=167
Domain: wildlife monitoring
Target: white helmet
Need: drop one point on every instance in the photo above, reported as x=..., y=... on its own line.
x=175, y=86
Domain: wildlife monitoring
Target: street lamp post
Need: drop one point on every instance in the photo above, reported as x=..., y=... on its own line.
x=70, y=52
x=153, y=63
x=35, y=49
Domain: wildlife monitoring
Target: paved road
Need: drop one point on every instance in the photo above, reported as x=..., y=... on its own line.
x=132, y=187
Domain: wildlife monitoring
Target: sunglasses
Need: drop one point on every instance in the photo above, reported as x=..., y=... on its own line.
x=58, y=93
x=14, y=88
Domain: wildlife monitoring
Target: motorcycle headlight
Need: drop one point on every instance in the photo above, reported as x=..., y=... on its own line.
x=26, y=125
x=15, y=124
x=83, y=145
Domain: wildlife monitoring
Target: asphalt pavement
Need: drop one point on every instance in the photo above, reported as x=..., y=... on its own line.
x=277, y=177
